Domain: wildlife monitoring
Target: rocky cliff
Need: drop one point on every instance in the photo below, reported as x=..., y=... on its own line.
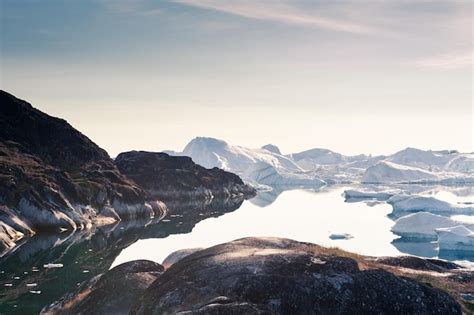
x=52, y=177
x=169, y=177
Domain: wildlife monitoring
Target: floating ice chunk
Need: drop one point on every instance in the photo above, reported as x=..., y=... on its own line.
x=415, y=203
x=340, y=236
x=362, y=195
x=458, y=238
x=53, y=265
x=422, y=226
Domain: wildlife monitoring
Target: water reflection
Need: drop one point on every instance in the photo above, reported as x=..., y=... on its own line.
x=86, y=253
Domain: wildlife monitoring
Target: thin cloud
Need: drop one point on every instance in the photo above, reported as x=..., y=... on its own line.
x=447, y=61
x=280, y=12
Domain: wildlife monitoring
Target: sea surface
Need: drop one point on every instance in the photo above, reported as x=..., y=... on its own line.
x=27, y=283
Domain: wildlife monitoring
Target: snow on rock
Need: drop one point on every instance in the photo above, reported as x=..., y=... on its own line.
x=362, y=195
x=388, y=172
x=458, y=238
x=416, y=203
x=422, y=226
x=258, y=166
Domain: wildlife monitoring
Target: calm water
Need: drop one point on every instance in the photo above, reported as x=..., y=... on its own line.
x=305, y=215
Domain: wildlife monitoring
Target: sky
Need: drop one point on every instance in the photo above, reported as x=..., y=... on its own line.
x=371, y=76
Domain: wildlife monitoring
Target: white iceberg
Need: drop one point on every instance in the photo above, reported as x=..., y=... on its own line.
x=340, y=236
x=256, y=166
x=458, y=238
x=416, y=203
x=388, y=172
x=422, y=226
x=363, y=195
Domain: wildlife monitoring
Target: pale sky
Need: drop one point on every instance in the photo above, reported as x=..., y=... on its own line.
x=371, y=76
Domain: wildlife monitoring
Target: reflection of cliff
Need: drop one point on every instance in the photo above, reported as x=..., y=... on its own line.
x=86, y=253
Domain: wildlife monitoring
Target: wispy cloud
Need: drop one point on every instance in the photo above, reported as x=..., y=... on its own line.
x=281, y=12
x=447, y=61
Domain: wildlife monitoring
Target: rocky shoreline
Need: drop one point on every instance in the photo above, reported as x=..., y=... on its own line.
x=53, y=178
x=274, y=276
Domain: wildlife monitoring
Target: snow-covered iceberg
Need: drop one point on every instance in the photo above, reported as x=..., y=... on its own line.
x=408, y=166
x=256, y=166
x=415, y=203
x=457, y=238
x=422, y=226
x=388, y=172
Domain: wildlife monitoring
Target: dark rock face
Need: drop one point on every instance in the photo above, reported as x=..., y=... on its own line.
x=53, y=177
x=417, y=263
x=111, y=293
x=52, y=139
x=280, y=276
x=169, y=177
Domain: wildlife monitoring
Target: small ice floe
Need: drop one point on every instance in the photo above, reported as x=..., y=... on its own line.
x=340, y=236
x=53, y=265
x=31, y=284
x=458, y=238
x=35, y=291
x=356, y=195
x=8, y=285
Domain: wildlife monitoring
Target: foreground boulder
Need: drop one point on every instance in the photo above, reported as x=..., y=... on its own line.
x=277, y=276
x=110, y=293
x=169, y=177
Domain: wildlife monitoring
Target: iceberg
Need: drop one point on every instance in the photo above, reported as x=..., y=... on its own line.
x=388, y=172
x=364, y=195
x=422, y=226
x=265, y=166
x=414, y=203
x=340, y=236
x=457, y=238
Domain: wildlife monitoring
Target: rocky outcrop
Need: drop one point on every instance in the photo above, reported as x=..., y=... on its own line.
x=99, y=295
x=279, y=276
x=52, y=177
x=168, y=177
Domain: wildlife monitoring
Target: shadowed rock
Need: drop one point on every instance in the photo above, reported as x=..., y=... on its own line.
x=171, y=177
x=111, y=293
